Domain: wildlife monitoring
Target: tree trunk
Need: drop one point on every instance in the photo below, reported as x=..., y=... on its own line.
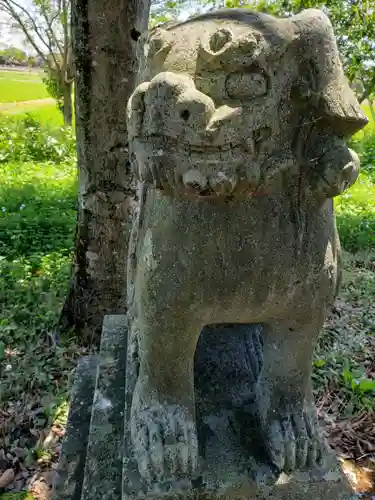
x=104, y=34
x=68, y=104
x=372, y=110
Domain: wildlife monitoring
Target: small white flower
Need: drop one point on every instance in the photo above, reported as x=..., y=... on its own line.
x=22, y=206
x=3, y=209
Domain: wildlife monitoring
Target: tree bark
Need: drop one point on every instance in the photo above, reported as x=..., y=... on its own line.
x=372, y=110
x=104, y=34
x=68, y=104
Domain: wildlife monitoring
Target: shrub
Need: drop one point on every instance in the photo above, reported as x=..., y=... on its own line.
x=364, y=145
x=367, y=152
x=54, y=88
x=37, y=208
x=26, y=139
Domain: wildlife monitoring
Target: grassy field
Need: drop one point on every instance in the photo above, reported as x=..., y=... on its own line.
x=17, y=86
x=46, y=114
x=23, y=93
x=38, y=190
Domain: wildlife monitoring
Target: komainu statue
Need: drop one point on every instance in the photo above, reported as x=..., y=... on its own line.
x=238, y=133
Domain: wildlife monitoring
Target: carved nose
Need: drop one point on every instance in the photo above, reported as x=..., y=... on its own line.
x=193, y=109
x=171, y=105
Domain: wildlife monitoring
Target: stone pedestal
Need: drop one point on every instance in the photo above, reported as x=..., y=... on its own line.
x=97, y=463
x=91, y=461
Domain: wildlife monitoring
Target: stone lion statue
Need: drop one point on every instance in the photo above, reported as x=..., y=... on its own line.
x=237, y=132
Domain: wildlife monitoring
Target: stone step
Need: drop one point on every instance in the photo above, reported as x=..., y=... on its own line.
x=69, y=480
x=103, y=469
x=90, y=466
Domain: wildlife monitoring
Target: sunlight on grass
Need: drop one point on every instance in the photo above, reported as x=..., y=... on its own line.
x=46, y=114
x=369, y=129
x=37, y=203
x=21, y=74
x=19, y=86
x=13, y=88
x=23, y=138
x=37, y=222
x=355, y=212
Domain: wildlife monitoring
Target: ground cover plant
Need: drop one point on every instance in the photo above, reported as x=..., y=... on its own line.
x=27, y=139
x=18, y=86
x=38, y=194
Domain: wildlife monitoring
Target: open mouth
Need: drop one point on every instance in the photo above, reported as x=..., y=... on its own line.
x=171, y=145
x=193, y=169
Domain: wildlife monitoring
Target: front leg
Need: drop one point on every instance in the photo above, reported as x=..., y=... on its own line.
x=285, y=401
x=163, y=426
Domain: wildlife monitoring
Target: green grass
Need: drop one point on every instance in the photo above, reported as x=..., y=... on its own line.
x=37, y=222
x=46, y=114
x=355, y=213
x=16, y=86
x=370, y=128
x=23, y=495
x=21, y=74
x=38, y=208
x=23, y=138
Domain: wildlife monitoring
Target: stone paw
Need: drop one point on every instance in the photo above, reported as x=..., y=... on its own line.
x=292, y=439
x=165, y=442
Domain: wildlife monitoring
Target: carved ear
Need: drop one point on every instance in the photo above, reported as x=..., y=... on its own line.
x=159, y=44
x=152, y=49
x=215, y=44
x=336, y=102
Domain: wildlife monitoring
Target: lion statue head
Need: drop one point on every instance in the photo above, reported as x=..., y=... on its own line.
x=233, y=102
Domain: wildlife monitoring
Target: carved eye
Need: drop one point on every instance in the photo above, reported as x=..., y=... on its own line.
x=219, y=39
x=245, y=85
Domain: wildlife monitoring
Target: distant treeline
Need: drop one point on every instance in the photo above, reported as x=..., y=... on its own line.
x=12, y=56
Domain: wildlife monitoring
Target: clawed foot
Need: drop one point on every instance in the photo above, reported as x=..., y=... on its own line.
x=291, y=436
x=165, y=441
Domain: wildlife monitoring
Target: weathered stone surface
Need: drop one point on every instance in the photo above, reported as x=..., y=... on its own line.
x=70, y=472
x=90, y=466
x=228, y=471
x=103, y=468
x=238, y=131
x=230, y=468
